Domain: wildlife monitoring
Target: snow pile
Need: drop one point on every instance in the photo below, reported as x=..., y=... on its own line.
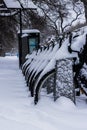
x=66, y=104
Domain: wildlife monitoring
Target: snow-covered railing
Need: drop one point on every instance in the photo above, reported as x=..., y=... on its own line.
x=36, y=63
x=37, y=56
x=39, y=68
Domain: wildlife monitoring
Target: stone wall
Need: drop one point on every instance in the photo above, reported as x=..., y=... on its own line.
x=64, y=83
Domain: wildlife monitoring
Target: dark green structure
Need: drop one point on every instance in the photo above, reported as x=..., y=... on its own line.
x=28, y=41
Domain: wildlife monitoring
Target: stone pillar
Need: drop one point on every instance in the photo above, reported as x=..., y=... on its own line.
x=64, y=82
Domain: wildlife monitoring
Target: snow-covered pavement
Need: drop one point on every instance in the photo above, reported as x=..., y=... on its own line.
x=18, y=112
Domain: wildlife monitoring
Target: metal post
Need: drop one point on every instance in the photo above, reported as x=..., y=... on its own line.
x=20, y=22
x=20, y=40
x=54, y=89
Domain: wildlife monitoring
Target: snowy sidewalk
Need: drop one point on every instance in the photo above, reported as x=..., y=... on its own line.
x=13, y=94
x=18, y=112
x=11, y=82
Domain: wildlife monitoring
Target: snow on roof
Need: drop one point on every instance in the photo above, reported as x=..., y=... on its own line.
x=28, y=4
x=26, y=31
x=16, y=4
x=12, y=4
x=30, y=31
x=24, y=35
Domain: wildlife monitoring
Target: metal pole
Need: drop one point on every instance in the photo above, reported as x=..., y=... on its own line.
x=55, y=76
x=20, y=40
x=20, y=22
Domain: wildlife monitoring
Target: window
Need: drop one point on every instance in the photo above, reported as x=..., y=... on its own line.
x=32, y=44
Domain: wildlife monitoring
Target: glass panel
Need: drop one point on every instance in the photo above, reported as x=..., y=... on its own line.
x=32, y=44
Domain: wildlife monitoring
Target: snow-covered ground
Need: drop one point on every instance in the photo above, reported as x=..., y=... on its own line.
x=17, y=109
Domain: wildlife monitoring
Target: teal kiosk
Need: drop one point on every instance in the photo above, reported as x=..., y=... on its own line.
x=28, y=42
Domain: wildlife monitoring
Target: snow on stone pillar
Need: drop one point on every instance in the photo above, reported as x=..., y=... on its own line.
x=64, y=83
